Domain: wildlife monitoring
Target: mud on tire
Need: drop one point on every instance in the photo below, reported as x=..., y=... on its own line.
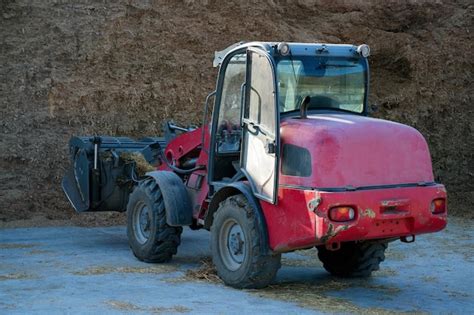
x=238, y=250
x=353, y=259
x=150, y=237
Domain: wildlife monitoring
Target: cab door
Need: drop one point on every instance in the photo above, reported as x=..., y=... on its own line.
x=260, y=126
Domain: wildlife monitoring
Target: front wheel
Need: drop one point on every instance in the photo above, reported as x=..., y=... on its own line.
x=238, y=249
x=353, y=259
x=150, y=237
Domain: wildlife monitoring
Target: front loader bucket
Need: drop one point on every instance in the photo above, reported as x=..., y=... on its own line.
x=75, y=183
x=100, y=177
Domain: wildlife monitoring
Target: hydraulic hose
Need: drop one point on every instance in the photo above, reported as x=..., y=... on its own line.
x=180, y=170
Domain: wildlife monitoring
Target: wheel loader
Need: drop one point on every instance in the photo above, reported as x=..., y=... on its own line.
x=288, y=160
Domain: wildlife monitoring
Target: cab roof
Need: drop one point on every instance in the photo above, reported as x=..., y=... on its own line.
x=296, y=49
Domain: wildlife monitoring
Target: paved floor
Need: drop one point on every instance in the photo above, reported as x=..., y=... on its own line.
x=91, y=270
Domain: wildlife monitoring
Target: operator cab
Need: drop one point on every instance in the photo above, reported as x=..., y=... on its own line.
x=260, y=82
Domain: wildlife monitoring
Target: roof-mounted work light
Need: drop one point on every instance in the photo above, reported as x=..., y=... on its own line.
x=283, y=49
x=363, y=50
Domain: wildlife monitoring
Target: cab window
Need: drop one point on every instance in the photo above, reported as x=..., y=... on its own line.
x=228, y=124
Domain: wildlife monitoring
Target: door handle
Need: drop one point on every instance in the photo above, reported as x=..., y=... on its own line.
x=253, y=128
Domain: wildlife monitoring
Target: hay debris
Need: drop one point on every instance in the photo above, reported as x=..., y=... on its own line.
x=206, y=272
x=39, y=252
x=101, y=270
x=385, y=272
x=315, y=295
x=141, y=165
x=311, y=294
x=172, y=309
x=291, y=262
x=16, y=276
x=126, y=306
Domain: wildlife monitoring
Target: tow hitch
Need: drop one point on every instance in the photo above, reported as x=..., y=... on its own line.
x=408, y=239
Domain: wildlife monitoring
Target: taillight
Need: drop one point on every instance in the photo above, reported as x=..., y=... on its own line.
x=438, y=206
x=341, y=214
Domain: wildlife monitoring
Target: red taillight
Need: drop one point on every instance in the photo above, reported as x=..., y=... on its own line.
x=341, y=214
x=438, y=206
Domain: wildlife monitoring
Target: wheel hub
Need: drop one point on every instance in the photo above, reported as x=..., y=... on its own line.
x=235, y=243
x=232, y=244
x=142, y=223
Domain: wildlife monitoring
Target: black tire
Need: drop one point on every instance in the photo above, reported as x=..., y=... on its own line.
x=153, y=240
x=250, y=265
x=353, y=259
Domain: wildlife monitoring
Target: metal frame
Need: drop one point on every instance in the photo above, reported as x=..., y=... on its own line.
x=215, y=116
x=262, y=48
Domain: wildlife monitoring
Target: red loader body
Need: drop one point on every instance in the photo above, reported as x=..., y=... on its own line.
x=289, y=160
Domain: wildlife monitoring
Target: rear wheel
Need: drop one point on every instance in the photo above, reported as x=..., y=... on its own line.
x=238, y=249
x=353, y=259
x=150, y=238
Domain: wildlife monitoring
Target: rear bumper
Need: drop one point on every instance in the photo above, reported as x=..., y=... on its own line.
x=380, y=214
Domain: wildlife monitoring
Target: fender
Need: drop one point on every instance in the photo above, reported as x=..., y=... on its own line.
x=235, y=189
x=177, y=204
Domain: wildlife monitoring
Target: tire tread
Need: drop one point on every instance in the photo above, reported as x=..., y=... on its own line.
x=166, y=238
x=263, y=266
x=353, y=259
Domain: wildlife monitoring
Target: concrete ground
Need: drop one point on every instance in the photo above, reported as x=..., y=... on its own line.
x=91, y=270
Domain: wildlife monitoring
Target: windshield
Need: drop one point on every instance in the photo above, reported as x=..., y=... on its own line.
x=331, y=83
